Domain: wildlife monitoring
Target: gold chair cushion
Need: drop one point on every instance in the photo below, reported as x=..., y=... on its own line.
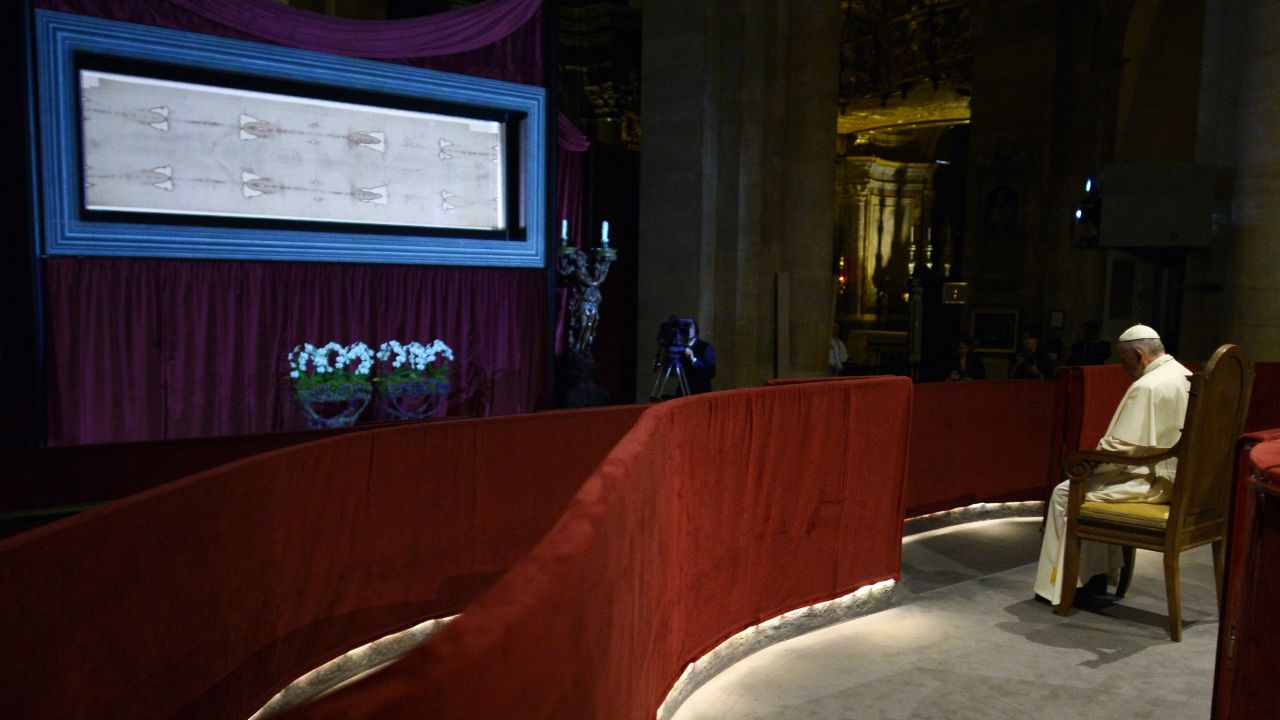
x=1147, y=515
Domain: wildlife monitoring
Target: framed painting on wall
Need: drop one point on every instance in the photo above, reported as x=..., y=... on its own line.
x=161, y=143
x=995, y=330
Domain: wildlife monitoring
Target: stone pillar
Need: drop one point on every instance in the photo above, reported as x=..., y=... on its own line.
x=736, y=180
x=851, y=235
x=1237, y=131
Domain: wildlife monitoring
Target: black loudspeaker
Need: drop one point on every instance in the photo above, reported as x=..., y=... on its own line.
x=1156, y=206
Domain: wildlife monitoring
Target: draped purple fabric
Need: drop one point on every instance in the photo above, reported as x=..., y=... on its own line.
x=571, y=138
x=154, y=349
x=500, y=39
x=161, y=349
x=569, y=192
x=445, y=33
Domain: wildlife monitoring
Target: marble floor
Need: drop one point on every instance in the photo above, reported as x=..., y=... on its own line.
x=968, y=641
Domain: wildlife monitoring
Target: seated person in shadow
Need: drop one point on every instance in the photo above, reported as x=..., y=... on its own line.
x=839, y=354
x=965, y=363
x=1092, y=350
x=699, y=363
x=1031, y=362
x=1149, y=417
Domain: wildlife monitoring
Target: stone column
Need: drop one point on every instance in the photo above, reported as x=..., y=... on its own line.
x=737, y=180
x=1237, y=129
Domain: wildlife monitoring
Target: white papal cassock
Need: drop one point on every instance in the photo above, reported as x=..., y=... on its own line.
x=1149, y=416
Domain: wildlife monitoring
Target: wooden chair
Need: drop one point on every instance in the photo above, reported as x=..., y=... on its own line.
x=1198, y=511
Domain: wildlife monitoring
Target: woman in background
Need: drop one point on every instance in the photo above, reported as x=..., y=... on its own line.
x=965, y=363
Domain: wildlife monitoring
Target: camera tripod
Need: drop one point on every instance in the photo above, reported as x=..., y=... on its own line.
x=662, y=374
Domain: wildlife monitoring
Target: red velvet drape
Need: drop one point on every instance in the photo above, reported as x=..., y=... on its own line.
x=981, y=441
x=715, y=512
x=972, y=442
x=1244, y=675
x=205, y=596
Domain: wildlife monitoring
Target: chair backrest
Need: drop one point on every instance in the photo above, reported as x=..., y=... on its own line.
x=1215, y=419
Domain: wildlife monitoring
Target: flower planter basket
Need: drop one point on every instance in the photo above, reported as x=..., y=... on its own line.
x=413, y=398
x=331, y=385
x=332, y=406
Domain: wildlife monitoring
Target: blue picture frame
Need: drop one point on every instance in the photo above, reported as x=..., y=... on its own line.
x=63, y=41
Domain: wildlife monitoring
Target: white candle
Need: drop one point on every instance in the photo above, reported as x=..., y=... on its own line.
x=604, y=233
x=564, y=231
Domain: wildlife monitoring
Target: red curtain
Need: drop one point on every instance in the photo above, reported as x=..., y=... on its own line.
x=206, y=596
x=715, y=512
x=980, y=441
x=972, y=442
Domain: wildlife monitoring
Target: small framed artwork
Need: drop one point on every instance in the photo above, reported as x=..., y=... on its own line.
x=1056, y=318
x=995, y=330
x=955, y=293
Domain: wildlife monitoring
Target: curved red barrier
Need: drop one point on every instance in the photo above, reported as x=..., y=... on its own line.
x=971, y=442
x=206, y=596
x=713, y=513
x=981, y=441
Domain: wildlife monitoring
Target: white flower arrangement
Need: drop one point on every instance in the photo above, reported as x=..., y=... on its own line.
x=331, y=371
x=412, y=378
x=414, y=367
x=415, y=355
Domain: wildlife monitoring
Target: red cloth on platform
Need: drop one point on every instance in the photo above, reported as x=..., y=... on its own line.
x=979, y=441
x=206, y=596
x=1265, y=460
x=971, y=442
x=713, y=513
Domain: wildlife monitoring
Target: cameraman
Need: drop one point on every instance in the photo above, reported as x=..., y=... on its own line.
x=700, y=362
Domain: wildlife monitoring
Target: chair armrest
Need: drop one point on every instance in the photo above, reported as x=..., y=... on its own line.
x=1079, y=465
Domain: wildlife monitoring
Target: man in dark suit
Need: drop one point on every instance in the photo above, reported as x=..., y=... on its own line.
x=1092, y=350
x=699, y=362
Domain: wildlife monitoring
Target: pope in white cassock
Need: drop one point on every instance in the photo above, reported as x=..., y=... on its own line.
x=1149, y=416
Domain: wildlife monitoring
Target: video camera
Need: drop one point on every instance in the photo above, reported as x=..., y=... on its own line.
x=674, y=336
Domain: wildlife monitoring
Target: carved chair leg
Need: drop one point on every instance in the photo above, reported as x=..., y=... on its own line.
x=1126, y=573
x=1070, y=573
x=1173, y=591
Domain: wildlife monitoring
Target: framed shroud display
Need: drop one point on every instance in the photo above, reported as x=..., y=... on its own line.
x=162, y=143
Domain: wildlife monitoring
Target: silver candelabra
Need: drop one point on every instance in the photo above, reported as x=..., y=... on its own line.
x=584, y=273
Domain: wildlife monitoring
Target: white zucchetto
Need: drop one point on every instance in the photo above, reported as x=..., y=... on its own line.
x=1139, y=332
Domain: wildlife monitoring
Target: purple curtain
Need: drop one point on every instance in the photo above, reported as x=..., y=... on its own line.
x=499, y=39
x=154, y=349
x=573, y=146
x=160, y=349
x=446, y=33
